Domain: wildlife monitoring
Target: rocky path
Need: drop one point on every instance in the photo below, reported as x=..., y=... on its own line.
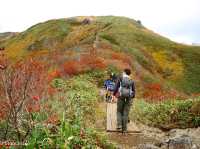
x=146, y=137
x=143, y=137
x=133, y=138
x=111, y=122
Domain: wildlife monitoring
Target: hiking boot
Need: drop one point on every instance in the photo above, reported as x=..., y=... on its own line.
x=125, y=133
x=119, y=127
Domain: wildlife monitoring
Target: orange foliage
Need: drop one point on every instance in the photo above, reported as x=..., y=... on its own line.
x=154, y=87
x=51, y=91
x=53, y=119
x=118, y=64
x=106, y=46
x=86, y=62
x=194, y=95
x=92, y=62
x=33, y=107
x=3, y=109
x=54, y=74
x=122, y=57
x=72, y=67
x=155, y=92
x=98, y=63
x=22, y=85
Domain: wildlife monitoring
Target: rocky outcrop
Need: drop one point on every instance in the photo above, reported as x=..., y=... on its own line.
x=173, y=139
x=180, y=142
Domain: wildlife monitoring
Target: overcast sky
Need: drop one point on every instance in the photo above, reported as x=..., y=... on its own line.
x=178, y=20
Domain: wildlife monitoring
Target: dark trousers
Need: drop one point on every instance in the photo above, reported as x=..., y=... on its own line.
x=123, y=108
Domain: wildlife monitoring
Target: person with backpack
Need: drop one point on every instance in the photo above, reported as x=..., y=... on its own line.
x=125, y=88
x=110, y=85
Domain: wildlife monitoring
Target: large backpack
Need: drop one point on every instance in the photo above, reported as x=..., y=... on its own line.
x=110, y=85
x=125, y=89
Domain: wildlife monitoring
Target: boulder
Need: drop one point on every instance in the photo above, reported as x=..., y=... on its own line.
x=180, y=142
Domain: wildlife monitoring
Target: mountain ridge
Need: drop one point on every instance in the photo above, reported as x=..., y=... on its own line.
x=154, y=58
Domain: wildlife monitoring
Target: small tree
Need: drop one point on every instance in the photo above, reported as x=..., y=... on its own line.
x=139, y=22
x=22, y=85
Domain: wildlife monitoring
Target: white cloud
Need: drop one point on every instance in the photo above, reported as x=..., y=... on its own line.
x=155, y=14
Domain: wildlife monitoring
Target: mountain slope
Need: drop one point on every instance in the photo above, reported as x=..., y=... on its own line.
x=7, y=35
x=120, y=42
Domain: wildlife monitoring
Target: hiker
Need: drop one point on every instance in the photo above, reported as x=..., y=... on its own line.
x=126, y=89
x=110, y=85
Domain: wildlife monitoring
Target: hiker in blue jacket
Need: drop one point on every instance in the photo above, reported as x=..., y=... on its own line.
x=110, y=85
x=126, y=88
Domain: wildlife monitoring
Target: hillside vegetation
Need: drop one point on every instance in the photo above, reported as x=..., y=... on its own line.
x=127, y=42
x=169, y=114
x=51, y=74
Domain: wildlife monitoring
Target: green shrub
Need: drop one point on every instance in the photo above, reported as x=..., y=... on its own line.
x=58, y=83
x=109, y=38
x=168, y=114
x=78, y=112
x=67, y=136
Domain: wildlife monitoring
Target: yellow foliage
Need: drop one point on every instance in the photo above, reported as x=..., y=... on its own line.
x=173, y=68
x=79, y=33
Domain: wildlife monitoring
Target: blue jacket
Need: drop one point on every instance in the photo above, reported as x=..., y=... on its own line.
x=109, y=85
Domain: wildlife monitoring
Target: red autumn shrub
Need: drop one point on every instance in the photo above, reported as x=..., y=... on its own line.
x=86, y=62
x=122, y=57
x=36, y=98
x=22, y=85
x=97, y=63
x=194, y=95
x=92, y=62
x=53, y=119
x=153, y=87
x=72, y=67
x=118, y=56
x=3, y=61
x=117, y=64
x=54, y=74
x=106, y=46
x=33, y=107
x=153, y=92
x=3, y=109
x=51, y=91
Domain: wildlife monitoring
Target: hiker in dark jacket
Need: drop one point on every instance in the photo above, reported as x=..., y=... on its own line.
x=126, y=89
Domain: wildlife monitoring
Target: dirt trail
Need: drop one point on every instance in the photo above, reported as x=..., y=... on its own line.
x=148, y=135
x=154, y=136
x=133, y=138
x=130, y=140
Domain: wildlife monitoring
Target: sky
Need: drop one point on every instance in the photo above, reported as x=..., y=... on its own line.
x=178, y=20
